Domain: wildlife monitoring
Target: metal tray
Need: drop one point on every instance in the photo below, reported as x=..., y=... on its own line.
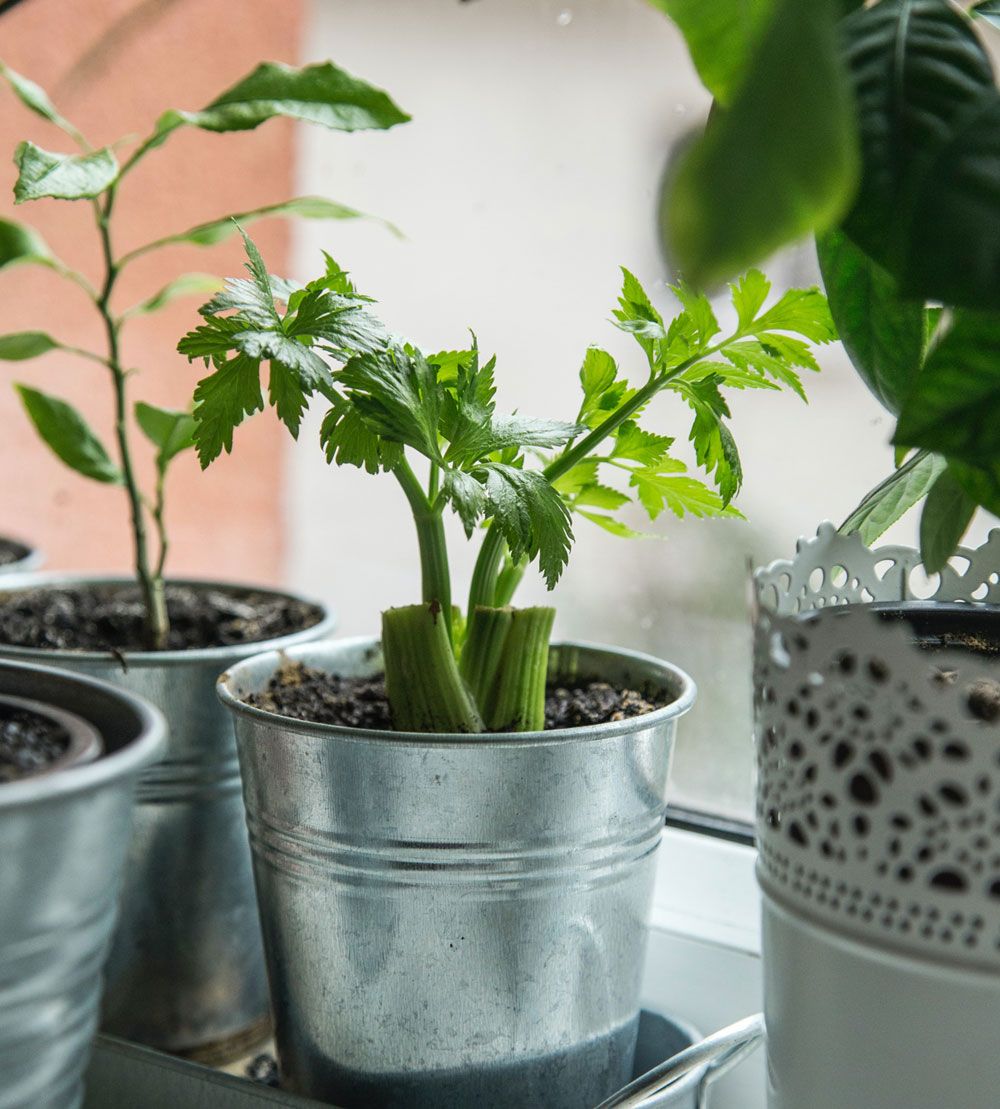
x=125, y=1076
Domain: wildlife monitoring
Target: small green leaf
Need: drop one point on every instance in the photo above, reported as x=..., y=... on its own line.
x=635, y=314
x=349, y=441
x=322, y=94
x=721, y=35
x=882, y=333
x=36, y=98
x=632, y=443
x=69, y=436
x=600, y=496
x=615, y=527
x=890, y=500
x=20, y=243
x=170, y=431
x=20, y=345
x=188, y=284
x=680, y=493
x=42, y=173
x=748, y=296
x=948, y=511
x=300, y=207
x=780, y=162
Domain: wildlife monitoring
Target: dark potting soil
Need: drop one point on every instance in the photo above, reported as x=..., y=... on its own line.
x=303, y=693
x=29, y=742
x=109, y=617
x=11, y=552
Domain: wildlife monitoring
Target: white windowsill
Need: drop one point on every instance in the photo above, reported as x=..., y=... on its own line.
x=703, y=962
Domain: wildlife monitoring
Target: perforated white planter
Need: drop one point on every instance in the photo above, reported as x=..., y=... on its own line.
x=878, y=819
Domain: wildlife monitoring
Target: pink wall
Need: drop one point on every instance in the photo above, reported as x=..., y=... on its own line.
x=173, y=53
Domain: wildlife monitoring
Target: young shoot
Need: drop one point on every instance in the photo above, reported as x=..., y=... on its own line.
x=519, y=478
x=319, y=94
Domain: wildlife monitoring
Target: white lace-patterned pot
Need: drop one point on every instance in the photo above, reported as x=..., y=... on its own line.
x=877, y=724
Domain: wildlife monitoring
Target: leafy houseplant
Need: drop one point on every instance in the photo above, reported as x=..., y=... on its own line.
x=482, y=883
x=389, y=398
x=874, y=121
x=185, y=972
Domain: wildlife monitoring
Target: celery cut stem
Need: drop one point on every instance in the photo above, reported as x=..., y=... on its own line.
x=517, y=702
x=482, y=653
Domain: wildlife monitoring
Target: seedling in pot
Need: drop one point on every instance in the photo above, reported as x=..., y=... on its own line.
x=321, y=94
x=522, y=479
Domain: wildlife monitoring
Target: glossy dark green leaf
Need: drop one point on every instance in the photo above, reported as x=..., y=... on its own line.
x=20, y=345
x=42, y=173
x=323, y=94
x=954, y=408
x=170, y=431
x=780, y=162
x=721, y=35
x=20, y=244
x=928, y=207
x=69, y=436
x=988, y=10
x=947, y=513
x=882, y=333
x=891, y=499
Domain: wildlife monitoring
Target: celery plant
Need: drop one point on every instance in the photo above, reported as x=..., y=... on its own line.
x=390, y=403
x=319, y=94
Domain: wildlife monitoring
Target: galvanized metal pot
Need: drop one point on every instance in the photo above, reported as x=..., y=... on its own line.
x=29, y=558
x=186, y=971
x=878, y=739
x=453, y=920
x=62, y=849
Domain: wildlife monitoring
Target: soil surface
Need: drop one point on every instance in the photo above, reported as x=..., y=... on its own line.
x=11, y=552
x=110, y=617
x=28, y=743
x=299, y=692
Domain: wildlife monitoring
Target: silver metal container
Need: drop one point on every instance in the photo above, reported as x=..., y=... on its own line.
x=30, y=558
x=453, y=920
x=186, y=971
x=62, y=850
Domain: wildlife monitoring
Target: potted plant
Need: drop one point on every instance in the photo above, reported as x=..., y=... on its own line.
x=186, y=970
x=877, y=695
x=453, y=826
x=71, y=752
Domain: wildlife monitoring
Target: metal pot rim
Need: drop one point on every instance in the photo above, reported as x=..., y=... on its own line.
x=129, y=759
x=687, y=691
x=15, y=582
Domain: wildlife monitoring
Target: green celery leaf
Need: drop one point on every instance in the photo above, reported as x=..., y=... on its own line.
x=42, y=173
x=749, y=355
x=748, y=295
x=715, y=447
x=680, y=493
x=600, y=496
x=947, y=513
x=632, y=443
x=602, y=391
x=701, y=324
x=891, y=499
x=323, y=94
x=467, y=496
x=349, y=441
x=928, y=209
x=170, y=431
x=615, y=527
x=531, y=516
x=397, y=393
x=188, y=284
x=253, y=299
x=954, y=407
x=69, y=436
x=215, y=338
x=882, y=333
x=20, y=345
x=20, y=243
x=721, y=35
x=221, y=401
x=805, y=312
x=582, y=474
x=779, y=162
x=635, y=314
x=732, y=377
x=475, y=441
